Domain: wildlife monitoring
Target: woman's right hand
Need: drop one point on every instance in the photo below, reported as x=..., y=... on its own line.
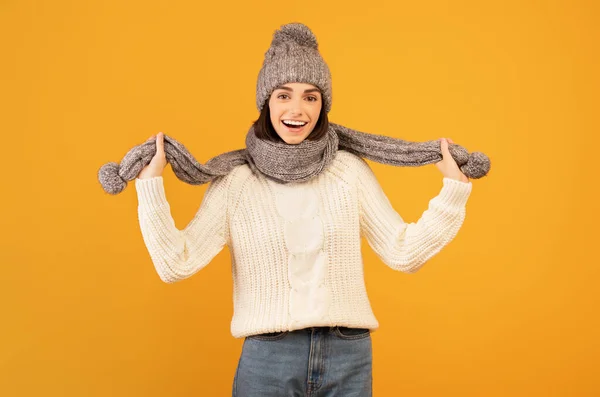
x=158, y=162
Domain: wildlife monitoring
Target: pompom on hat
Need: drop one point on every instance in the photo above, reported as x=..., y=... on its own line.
x=293, y=57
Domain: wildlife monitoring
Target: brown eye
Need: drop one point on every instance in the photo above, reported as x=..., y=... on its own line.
x=280, y=95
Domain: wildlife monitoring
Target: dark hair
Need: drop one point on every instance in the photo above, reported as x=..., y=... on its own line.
x=263, y=128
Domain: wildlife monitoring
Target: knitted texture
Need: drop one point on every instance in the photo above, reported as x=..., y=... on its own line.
x=293, y=57
x=296, y=248
x=289, y=163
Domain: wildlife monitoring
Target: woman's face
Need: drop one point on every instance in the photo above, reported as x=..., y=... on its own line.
x=298, y=105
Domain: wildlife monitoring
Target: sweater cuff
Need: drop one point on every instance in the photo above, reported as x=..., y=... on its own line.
x=151, y=192
x=455, y=193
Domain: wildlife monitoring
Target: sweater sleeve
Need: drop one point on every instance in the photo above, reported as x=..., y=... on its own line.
x=405, y=246
x=178, y=254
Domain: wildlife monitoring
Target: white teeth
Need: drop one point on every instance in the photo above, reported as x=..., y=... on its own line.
x=293, y=122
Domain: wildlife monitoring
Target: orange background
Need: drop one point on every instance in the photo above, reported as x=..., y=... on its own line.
x=509, y=308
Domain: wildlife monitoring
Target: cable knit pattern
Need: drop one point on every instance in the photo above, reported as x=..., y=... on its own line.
x=303, y=233
x=295, y=248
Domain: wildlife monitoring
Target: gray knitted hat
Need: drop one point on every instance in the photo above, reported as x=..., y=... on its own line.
x=293, y=58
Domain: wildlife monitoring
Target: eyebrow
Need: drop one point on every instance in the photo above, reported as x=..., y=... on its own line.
x=281, y=87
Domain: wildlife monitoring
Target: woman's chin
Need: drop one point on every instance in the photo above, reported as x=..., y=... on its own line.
x=293, y=140
x=292, y=137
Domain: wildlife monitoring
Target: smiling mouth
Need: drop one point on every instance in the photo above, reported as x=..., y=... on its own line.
x=294, y=123
x=294, y=127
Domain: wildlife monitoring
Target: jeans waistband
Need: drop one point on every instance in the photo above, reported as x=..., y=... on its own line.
x=323, y=329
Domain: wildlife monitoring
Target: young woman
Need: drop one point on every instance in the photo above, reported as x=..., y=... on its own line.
x=300, y=300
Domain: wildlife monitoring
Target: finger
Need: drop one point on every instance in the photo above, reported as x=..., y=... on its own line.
x=450, y=140
x=444, y=147
x=160, y=144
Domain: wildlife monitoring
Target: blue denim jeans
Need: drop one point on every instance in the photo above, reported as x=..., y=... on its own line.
x=311, y=362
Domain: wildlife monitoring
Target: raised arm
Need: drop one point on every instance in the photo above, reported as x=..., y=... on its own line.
x=178, y=254
x=407, y=246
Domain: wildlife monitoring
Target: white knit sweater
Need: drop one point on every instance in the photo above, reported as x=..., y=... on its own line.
x=295, y=248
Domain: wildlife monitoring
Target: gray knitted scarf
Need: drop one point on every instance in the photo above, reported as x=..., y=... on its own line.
x=285, y=163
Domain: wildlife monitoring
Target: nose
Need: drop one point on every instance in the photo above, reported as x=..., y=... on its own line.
x=295, y=110
x=296, y=107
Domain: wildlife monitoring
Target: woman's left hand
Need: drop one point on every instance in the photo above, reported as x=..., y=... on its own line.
x=447, y=165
